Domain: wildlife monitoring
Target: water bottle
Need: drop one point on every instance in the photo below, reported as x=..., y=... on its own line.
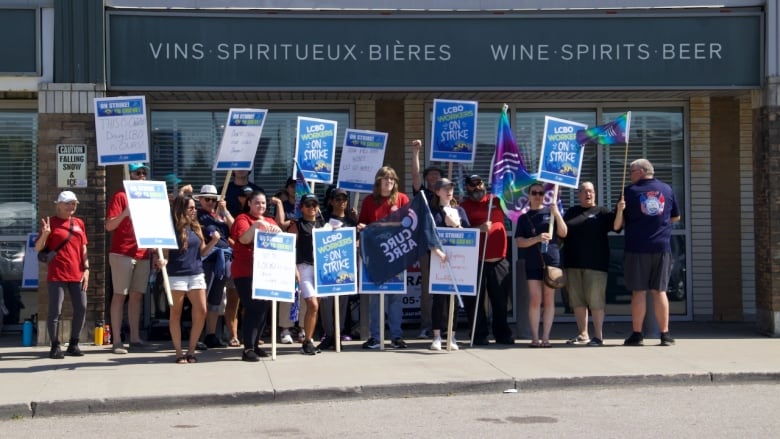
x=106, y=334
x=99, y=333
x=27, y=333
x=544, y=247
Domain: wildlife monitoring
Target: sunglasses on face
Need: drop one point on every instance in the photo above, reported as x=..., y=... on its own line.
x=139, y=173
x=537, y=193
x=310, y=205
x=210, y=200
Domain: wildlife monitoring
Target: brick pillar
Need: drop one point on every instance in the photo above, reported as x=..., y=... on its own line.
x=65, y=117
x=767, y=214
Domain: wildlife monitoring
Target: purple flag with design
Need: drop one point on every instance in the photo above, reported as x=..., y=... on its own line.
x=301, y=188
x=612, y=133
x=509, y=176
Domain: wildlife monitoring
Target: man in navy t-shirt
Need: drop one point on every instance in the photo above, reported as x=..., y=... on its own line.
x=647, y=210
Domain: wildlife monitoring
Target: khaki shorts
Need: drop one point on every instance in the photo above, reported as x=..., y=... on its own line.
x=128, y=274
x=586, y=287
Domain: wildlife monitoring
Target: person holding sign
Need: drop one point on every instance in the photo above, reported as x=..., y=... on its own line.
x=129, y=265
x=185, y=271
x=446, y=213
x=65, y=236
x=304, y=260
x=384, y=199
x=429, y=177
x=243, y=235
x=531, y=233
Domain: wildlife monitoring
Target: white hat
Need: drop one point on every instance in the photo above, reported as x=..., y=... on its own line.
x=66, y=197
x=207, y=190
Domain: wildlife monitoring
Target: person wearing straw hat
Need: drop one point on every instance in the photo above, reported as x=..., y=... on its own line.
x=65, y=235
x=213, y=216
x=647, y=209
x=130, y=265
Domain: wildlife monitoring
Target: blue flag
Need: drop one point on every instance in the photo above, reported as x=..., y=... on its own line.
x=509, y=177
x=394, y=242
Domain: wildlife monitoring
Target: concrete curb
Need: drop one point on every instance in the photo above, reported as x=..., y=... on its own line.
x=401, y=390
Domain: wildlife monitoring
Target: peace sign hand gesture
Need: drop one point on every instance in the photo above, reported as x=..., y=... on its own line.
x=45, y=226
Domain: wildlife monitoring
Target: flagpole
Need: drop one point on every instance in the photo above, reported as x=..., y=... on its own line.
x=552, y=218
x=625, y=166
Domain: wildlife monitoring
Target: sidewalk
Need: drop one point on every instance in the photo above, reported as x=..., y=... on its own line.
x=31, y=384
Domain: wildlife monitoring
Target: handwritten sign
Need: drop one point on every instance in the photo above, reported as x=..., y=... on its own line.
x=121, y=131
x=315, y=149
x=560, y=161
x=150, y=212
x=242, y=134
x=362, y=154
x=396, y=284
x=454, y=131
x=335, y=261
x=273, y=270
x=462, y=249
x=71, y=166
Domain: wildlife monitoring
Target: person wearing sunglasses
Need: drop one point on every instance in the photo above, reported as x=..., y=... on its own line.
x=130, y=265
x=496, y=273
x=531, y=232
x=215, y=219
x=304, y=262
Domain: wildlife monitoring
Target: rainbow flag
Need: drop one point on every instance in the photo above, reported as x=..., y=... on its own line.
x=301, y=188
x=509, y=176
x=612, y=133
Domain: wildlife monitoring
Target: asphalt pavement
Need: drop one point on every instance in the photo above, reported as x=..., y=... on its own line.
x=31, y=384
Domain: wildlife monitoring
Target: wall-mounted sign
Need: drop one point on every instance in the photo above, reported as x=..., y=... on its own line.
x=71, y=166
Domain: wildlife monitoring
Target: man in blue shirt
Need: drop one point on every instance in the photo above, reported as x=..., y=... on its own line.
x=647, y=210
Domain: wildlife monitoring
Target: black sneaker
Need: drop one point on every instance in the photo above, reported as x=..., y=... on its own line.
x=635, y=339
x=308, y=348
x=482, y=341
x=326, y=344
x=260, y=352
x=504, y=340
x=398, y=343
x=666, y=339
x=371, y=343
x=212, y=341
x=55, y=353
x=74, y=351
x=250, y=355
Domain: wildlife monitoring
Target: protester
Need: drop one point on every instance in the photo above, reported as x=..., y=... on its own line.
x=129, y=265
x=304, y=261
x=586, y=258
x=647, y=209
x=531, y=234
x=430, y=176
x=384, y=199
x=243, y=234
x=446, y=213
x=213, y=216
x=185, y=274
x=496, y=273
x=337, y=216
x=66, y=236
x=232, y=303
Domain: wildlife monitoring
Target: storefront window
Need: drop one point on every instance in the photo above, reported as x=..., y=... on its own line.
x=18, y=171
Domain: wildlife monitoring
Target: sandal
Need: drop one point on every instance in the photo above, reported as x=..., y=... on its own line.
x=234, y=343
x=535, y=344
x=546, y=344
x=191, y=359
x=181, y=360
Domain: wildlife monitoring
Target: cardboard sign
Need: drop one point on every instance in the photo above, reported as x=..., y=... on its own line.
x=315, y=149
x=560, y=161
x=150, y=212
x=335, y=261
x=454, y=131
x=273, y=270
x=362, y=155
x=121, y=131
x=242, y=134
x=462, y=249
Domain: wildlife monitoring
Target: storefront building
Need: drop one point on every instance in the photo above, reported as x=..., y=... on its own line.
x=701, y=82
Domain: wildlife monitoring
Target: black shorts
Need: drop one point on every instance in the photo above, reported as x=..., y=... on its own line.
x=647, y=271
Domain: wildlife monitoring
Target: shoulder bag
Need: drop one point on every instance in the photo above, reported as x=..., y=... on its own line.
x=47, y=255
x=553, y=277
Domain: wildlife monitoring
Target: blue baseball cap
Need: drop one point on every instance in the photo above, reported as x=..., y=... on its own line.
x=132, y=167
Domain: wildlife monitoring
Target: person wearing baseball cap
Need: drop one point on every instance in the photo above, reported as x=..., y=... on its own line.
x=130, y=265
x=65, y=237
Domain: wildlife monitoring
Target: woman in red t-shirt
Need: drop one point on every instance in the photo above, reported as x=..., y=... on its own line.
x=243, y=233
x=68, y=270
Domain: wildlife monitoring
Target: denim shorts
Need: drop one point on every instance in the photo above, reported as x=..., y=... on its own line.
x=188, y=283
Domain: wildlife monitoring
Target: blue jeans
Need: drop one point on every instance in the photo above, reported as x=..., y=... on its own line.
x=394, y=311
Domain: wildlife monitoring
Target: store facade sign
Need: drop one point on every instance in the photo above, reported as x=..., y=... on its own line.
x=305, y=52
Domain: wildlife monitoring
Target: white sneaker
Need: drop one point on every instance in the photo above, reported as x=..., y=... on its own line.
x=301, y=336
x=286, y=337
x=454, y=345
x=436, y=345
